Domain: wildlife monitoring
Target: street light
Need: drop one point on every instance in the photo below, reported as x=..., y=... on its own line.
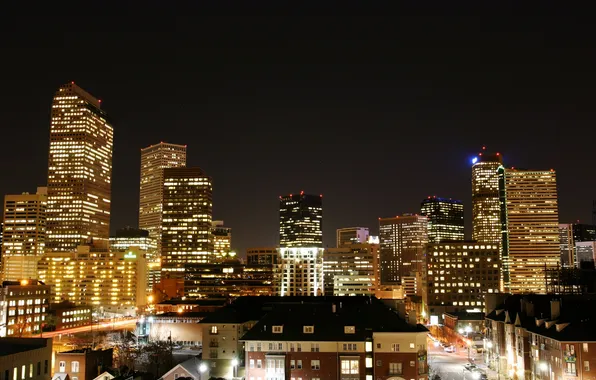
x=234, y=365
x=202, y=369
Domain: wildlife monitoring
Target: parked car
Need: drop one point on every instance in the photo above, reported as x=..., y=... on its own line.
x=470, y=366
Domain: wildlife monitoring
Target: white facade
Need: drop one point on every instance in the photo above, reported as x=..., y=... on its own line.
x=301, y=271
x=352, y=235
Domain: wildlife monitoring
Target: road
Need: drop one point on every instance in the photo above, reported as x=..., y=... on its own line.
x=107, y=325
x=450, y=365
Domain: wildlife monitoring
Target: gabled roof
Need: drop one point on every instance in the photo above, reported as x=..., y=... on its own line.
x=190, y=366
x=329, y=324
x=60, y=376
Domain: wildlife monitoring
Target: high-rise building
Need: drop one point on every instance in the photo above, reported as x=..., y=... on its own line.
x=486, y=207
x=445, y=219
x=115, y=282
x=585, y=253
x=569, y=235
x=402, y=243
x=187, y=220
x=352, y=235
x=530, y=221
x=128, y=237
x=459, y=276
x=300, y=268
x=262, y=255
x=222, y=241
x=154, y=159
x=351, y=270
x=24, y=234
x=301, y=220
x=79, y=171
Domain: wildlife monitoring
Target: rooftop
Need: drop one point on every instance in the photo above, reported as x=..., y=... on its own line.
x=10, y=346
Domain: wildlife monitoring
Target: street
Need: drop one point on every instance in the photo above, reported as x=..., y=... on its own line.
x=107, y=325
x=450, y=365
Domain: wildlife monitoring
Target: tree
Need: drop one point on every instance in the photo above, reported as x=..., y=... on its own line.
x=125, y=354
x=157, y=358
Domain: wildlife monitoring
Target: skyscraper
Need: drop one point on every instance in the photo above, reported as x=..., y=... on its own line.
x=154, y=159
x=187, y=220
x=79, y=171
x=569, y=235
x=486, y=209
x=300, y=265
x=402, y=243
x=222, y=241
x=445, y=219
x=24, y=234
x=301, y=220
x=352, y=235
x=530, y=221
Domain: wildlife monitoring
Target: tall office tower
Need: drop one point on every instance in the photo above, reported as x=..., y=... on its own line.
x=402, y=243
x=585, y=253
x=222, y=241
x=530, y=222
x=351, y=270
x=154, y=159
x=300, y=268
x=187, y=220
x=301, y=220
x=445, y=219
x=24, y=234
x=567, y=245
x=486, y=209
x=352, y=235
x=79, y=171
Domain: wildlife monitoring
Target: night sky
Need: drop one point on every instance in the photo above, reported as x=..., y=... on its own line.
x=375, y=108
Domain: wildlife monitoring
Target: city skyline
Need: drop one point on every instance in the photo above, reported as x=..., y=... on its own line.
x=240, y=120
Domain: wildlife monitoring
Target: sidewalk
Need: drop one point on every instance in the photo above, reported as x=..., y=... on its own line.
x=490, y=373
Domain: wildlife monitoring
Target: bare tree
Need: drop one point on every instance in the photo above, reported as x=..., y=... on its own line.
x=157, y=357
x=124, y=352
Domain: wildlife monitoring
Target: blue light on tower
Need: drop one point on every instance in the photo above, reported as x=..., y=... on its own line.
x=474, y=160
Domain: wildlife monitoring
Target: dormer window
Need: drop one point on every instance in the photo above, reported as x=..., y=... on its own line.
x=350, y=329
x=278, y=329
x=309, y=329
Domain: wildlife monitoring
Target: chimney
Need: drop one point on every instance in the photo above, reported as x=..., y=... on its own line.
x=555, y=309
x=333, y=308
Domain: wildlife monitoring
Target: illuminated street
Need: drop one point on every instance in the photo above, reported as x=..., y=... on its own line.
x=101, y=326
x=450, y=366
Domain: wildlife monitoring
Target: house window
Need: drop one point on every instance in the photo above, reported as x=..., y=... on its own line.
x=62, y=366
x=259, y=363
x=251, y=347
x=350, y=329
x=75, y=367
x=412, y=345
x=368, y=346
x=315, y=364
x=314, y=347
x=291, y=347
x=45, y=367
x=38, y=368
x=176, y=375
x=270, y=346
x=378, y=345
x=349, y=367
x=278, y=329
x=259, y=346
x=395, y=347
x=251, y=363
x=412, y=363
x=292, y=364
x=395, y=369
x=587, y=366
x=379, y=363
x=570, y=368
x=299, y=347
x=213, y=329
x=308, y=329
x=585, y=345
x=280, y=346
x=369, y=362
x=298, y=364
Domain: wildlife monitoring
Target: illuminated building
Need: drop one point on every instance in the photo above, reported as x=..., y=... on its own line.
x=445, y=219
x=228, y=279
x=301, y=220
x=154, y=159
x=24, y=234
x=23, y=307
x=460, y=274
x=222, y=240
x=486, y=207
x=79, y=171
x=351, y=235
x=262, y=255
x=187, y=220
x=113, y=282
x=300, y=271
x=351, y=270
x=530, y=221
x=126, y=238
x=402, y=243
x=569, y=235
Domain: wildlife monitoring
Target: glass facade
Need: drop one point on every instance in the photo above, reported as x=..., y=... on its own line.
x=79, y=171
x=445, y=219
x=486, y=207
x=301, y=220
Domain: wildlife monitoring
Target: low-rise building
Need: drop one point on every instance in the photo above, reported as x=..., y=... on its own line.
x=66, y=315
x=84, y=364
x=26, y=358
x=345, y=338
x=23, y=307
x=178, y=305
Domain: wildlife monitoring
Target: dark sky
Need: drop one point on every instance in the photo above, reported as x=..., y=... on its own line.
x=373, y=107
